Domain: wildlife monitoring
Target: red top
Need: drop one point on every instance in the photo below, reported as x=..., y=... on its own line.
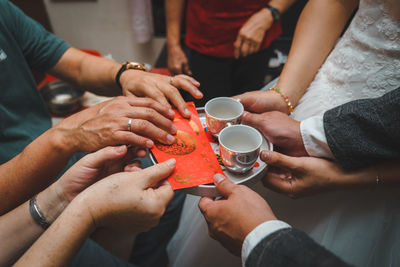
x=213, y=25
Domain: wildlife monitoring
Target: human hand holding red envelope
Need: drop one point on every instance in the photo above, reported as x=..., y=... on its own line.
x=196, y=162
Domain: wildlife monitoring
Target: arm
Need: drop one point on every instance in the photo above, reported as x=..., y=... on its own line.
x=288, y=247
x=304, y=176
x=177, y=60
x=365, y=131
x=128, y=203
x=252, y=33
x=244, y=223
x=319, y=26
x=98, y=75
x=89, y=130
x=18, y=227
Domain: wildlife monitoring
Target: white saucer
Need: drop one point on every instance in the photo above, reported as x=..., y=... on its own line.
x=249, y=179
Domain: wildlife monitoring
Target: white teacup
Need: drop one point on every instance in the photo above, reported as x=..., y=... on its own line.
x=239, y=147
x=221, y=112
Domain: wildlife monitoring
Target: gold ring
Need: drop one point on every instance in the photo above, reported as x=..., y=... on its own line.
x=171, y=80
x=129, y=124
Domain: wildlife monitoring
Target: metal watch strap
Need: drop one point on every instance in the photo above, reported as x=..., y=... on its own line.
x=276, y=14
x=126, y=66
x=36, y=214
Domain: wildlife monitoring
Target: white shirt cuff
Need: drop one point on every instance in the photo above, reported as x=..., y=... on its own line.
x=314, y=139
x=258, y=234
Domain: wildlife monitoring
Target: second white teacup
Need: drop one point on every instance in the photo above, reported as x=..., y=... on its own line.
x=239, y=147
x=221, y=112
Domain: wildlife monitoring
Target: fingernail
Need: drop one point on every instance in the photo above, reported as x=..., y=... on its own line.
x=218, y=178
x=120, y=149
x=186, y=111
x=170, y=162
x=171, y=112
x=199, y=93
x=173, y=129
x=265, y=155
x=170, y=139
x=149, y=143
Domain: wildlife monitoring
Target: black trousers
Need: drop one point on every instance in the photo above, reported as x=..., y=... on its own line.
x=227, y=76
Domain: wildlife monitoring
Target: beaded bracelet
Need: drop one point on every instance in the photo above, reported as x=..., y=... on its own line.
x=285, y=98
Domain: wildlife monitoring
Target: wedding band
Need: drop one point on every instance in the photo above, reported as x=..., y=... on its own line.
x=129, y=124
x=377, y=180
x=171, y=80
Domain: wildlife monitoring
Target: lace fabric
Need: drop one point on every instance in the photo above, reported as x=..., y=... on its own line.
x=364, y=63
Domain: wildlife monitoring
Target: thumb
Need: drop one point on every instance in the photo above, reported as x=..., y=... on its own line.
x=223, y=185
x=100, y=157
x=156, y=173
x=279, y=160
x=165, y=193
x=252, y=119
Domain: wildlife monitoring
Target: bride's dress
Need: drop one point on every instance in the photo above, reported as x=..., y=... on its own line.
x=362, y=227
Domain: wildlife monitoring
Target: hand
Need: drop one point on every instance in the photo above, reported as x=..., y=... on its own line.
x=230, y=220
x=263, y=101
x=252, y=33
x=161, y=88
x=304, y=176
x=280, y=129
x=92, y=168
x=177, y=61
x=129, y=201
x=107, y=124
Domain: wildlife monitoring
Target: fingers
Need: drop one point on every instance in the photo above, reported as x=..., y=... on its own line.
x=237, y=46
x=252, y=119
x=149, y=130
x=186, y=69
x=126, y=137
x=223, y=185
x=154, y=174
x=204, y=203
x=157, y=95
x=278, y=182
x=100, y=157
x=165, y=193
x=152, y=116
x=176, y=99
x=164, y=110
x=187, y=84
x=133, y=167
x=245, y=48
x=279, y=160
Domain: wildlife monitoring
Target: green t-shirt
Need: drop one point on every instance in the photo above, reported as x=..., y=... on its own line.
x=24, y=45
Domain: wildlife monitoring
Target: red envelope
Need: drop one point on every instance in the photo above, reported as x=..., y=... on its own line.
x=196, y=162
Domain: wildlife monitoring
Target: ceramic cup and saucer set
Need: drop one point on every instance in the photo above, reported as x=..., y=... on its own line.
x=236, y=145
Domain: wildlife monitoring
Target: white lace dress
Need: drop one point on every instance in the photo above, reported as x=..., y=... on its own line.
x=362, y=227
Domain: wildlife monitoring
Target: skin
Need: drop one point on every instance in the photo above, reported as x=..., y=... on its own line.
x=231, y=219
x=18, y=227
x=303, y=176
x=131, y=201
x=280, y=129
x=98, y=75
x=90, y=130
x=252, y=33
x=311, y=45
x=248, y=40
x=241, y=210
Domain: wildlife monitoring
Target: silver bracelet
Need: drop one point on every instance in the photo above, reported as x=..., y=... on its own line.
x=36, y=214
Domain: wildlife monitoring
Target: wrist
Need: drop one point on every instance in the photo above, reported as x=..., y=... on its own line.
x=63, y=141
x=268, y=19
x=51, y=204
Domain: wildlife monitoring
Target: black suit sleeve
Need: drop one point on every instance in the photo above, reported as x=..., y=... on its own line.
x=290, y=248
x=365, y=131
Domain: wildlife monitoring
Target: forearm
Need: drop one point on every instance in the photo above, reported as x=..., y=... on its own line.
x=319, y=26
x=19, y=228
x=34, y=168
x=174, y=13
x=95, y=74
x=66, y=236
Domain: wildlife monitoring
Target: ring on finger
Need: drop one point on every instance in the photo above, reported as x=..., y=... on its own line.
x=129, y=125
x=171, y=80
